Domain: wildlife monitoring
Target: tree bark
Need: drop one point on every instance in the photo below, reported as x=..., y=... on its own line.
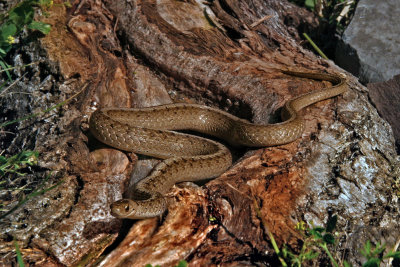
x=226, y=54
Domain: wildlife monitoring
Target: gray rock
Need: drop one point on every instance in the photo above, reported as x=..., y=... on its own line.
x=386, y=98
x=370, y=47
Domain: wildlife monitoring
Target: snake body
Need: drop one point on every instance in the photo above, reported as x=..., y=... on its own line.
x=150, y=131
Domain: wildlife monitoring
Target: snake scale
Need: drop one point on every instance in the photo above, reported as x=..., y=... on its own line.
x=150, y=131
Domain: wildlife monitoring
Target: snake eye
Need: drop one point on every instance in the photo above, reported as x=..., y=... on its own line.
x=126, y=207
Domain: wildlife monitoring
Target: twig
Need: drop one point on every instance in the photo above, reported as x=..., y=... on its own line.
x=11, y=85
x=258, y=22
x=396, y=246
x=344, y=11
x=237, y=190
x=18, y=67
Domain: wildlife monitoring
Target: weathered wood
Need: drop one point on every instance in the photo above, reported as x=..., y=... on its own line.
x=143, y=53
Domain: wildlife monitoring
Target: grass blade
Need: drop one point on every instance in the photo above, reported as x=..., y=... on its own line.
x=32, y=195
x=315, y=46
x=43, y=111
x=19, y=255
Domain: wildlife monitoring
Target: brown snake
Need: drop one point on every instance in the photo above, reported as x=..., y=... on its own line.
x=191, y=158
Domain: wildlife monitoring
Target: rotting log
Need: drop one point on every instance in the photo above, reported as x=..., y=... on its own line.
x=225, y=54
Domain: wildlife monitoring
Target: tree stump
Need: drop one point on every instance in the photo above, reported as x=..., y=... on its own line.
x=225, y=54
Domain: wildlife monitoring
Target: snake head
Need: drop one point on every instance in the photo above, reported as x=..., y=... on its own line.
x=124, y=209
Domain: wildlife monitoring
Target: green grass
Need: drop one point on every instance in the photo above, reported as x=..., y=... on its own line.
x=14, y=164
x=17, y=162
x=334, y=16
x=20, y=261
x=37, y=192
x=334, y=12
x=375, y=256
x=317, y=239
x=19, y=17
x=34, y=115
x=319, y=51
x=12, y=23
x=13, y=168
x=181, y=263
